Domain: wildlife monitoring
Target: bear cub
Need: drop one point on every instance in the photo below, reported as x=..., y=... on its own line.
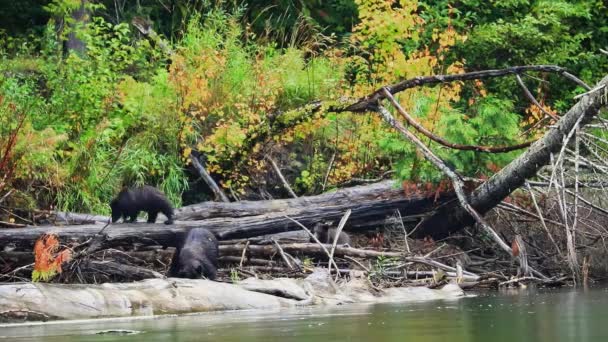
x=196, y=256
x=130, y=201
x=326, y=234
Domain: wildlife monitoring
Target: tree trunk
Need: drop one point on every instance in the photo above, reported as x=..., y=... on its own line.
x=79, y=18
x=370, y=206
x=451, y=217
x=382, y=191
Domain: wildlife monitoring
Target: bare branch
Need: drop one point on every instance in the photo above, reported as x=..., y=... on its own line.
x=219, y=194
x=280, y=175
x=337, y=236
x=542, y=219
x=441, y=141
x=532, y=99
x=369, y=102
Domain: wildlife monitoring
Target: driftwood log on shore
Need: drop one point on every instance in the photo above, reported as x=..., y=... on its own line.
x=170, y=296
x=370, y=206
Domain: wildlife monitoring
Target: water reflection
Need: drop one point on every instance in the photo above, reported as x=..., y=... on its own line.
x=515, y=315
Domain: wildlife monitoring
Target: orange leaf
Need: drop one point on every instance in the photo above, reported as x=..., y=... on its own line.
x=47, y=261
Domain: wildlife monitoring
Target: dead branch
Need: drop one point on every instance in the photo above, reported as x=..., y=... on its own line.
x=283, y=256
x=276, y=169
x=533, y=99
x=369, y=102
x=337, y=236
x=420, y=128
x=542, y=219
x=217, y=191
x=308, y=249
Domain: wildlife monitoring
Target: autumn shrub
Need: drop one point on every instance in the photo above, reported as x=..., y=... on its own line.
x=104, y=143
x=123, y=113
x=27, y=155
x=227, y=90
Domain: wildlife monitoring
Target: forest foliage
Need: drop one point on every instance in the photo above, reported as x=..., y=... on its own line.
x=76, y=126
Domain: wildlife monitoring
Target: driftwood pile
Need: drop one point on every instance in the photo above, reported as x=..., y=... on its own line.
x=265, y=239
x=274, y=236
x=256, y=237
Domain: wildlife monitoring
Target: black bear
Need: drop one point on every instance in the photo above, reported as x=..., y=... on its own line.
x=196, y=256
x=129, y=202
x=326, y=234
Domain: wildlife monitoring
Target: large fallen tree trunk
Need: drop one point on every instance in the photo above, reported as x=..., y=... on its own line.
x=451, y=217
x=382, y=190
x=371, y=205
x=385, y=190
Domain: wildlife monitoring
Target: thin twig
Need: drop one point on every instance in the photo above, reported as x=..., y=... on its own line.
x=8, y=193
x=329, y=167
x=104, y=227
x=437, y=264
x=489, y=149
x=600, y=87
x=13, y=272
x=405, y=235
x=314, y=238
x=356, y=262
x=280, y=175
x=576, y=80
x=243, y=254
x=435, y=250
x=337, y=237
x=542, y=219
x=517, y=280
x=370, y=101
x=282, y=254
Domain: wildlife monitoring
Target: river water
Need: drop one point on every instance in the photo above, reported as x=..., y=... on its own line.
x=516, y=315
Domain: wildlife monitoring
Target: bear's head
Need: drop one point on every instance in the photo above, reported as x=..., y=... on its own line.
x=116, y=212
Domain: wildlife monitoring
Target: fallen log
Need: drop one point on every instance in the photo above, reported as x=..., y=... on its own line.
x=60, y=218
x=153, y=297
x=248, y=261
x=371, y=207
x=382, y=190
x=385, y=190
x=451, y=217
x=145, y=298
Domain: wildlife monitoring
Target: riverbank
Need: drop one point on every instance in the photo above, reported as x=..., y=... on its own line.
x=152, y=297
x=516, y=315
